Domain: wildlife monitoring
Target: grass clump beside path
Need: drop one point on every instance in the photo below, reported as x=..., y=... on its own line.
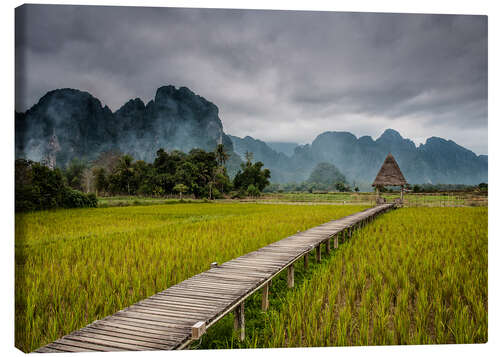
x=76, y=266
x=413, y=276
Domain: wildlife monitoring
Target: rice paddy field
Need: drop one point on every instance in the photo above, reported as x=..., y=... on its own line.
x=413, y=276
x=77, y=265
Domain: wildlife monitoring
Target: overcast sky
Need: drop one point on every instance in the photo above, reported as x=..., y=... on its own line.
x=275, y=75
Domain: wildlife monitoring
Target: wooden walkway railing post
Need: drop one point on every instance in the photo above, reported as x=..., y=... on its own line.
x=290, y=278
x=239, y=320
x=265, y=297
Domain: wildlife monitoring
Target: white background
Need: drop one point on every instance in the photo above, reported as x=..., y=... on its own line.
x=476, y=7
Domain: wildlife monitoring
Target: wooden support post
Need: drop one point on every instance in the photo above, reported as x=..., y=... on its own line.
x=198, y=329
x=290, y=276
x=306, y=261
x=336, y=242
x=239, y=319
x=265, y=297
x=318, y=253
x=328, y=246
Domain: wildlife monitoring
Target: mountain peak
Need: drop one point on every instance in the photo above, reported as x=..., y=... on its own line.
x=390, y=134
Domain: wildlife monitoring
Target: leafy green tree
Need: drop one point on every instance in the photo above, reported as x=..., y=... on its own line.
x=181, y=188
x=253, y=191
x=252, y=174
x=74, y=173
x=40, y=187
x=100, y=179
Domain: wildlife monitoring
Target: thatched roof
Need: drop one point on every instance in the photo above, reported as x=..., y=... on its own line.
x=389, y=174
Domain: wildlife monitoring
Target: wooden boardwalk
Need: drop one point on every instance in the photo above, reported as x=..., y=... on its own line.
x=173, y=318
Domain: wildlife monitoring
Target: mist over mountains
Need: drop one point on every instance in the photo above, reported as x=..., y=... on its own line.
x=359, y=159
x=68, y=123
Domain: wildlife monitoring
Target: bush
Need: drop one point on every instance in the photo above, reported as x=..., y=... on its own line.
x=39, y=187
x=253, y=191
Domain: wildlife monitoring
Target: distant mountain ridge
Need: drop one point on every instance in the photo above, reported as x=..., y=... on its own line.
x=436, y=161
x=67, y=123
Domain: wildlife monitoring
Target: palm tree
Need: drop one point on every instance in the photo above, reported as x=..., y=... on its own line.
x=221, y=154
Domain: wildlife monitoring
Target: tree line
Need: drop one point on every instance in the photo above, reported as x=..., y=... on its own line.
x=198, y=173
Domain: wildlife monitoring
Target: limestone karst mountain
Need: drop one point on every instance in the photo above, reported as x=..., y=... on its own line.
x=68, y=123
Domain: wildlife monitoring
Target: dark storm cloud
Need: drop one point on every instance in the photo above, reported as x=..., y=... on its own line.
x=275, y=75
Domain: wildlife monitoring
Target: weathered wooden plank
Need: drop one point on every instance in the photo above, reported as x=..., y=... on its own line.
x=107, y=343
x=163, y=320
x=178, y=316
x=46, y=349
x=179, y=306
x=154, y=325
x=103, y=336
x=144, y=328
x=68, y=343
x=72, y=346
x=133, y=334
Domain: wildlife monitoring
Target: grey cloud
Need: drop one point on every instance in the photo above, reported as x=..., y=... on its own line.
x=275, y=75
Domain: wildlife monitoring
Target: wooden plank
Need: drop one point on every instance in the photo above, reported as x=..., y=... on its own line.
x=200, y=292
x=164, y=320
x=63, y=346
x=189, y=299
x=106, y=343
x=67, y=343
x=133, y=334
x=170, y=316
x=186, y=311
x=178, y=306
x=99, y=335
x=141, y=327
x=154, y=325
x=46, y=349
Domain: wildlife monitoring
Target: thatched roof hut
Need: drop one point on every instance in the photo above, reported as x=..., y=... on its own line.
x=390, y=174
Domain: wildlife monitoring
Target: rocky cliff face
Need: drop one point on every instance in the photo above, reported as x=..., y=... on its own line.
x=69, y=123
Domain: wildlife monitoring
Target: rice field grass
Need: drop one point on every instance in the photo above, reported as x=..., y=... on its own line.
x=78, y=265
x=413, y=276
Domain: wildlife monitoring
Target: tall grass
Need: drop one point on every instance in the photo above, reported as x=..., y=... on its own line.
x=413, y=276
x=76, y=266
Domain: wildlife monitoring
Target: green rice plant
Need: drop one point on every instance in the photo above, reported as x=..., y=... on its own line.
x=413, y=276
x=425, y=281
x=75, y=266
